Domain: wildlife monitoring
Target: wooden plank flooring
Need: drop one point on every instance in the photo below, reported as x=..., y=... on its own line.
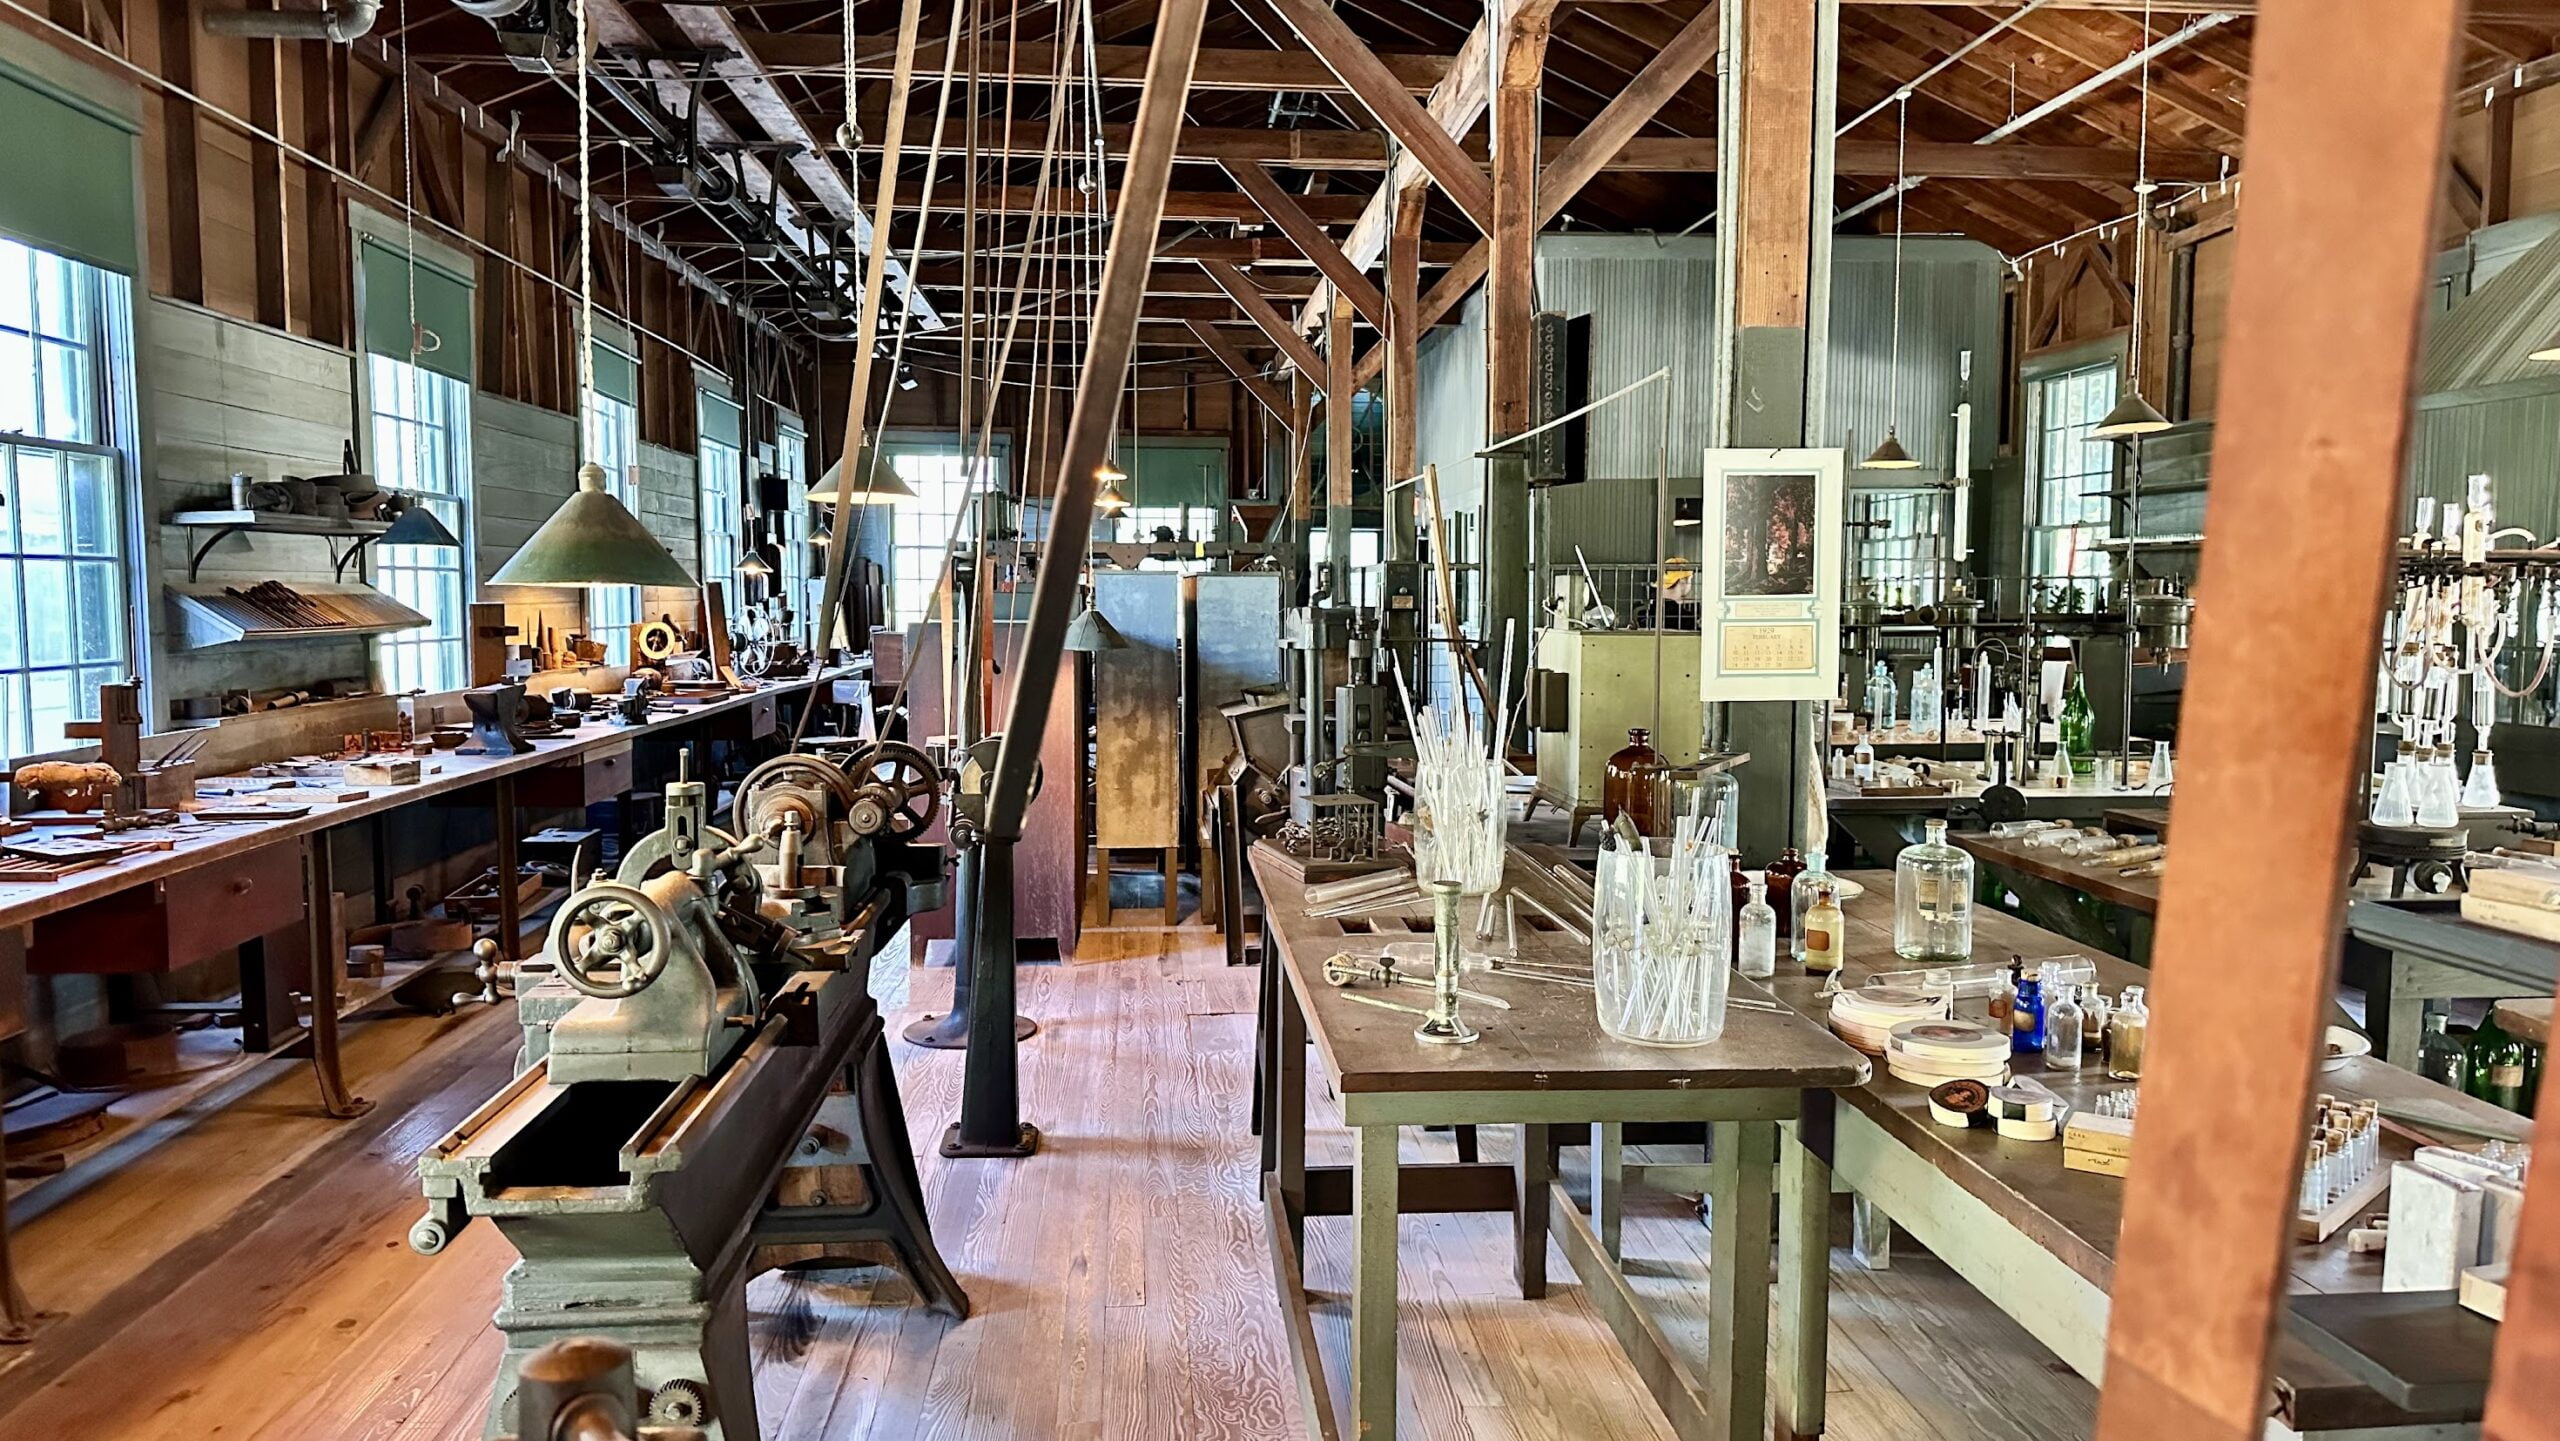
x=246, y=1274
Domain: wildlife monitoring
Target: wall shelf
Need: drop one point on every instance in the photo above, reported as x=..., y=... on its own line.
x=224, y=523
x=210, y=613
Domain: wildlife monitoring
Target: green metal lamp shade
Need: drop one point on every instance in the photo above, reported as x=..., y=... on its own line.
x=1092, y=631
x=2132, y=416
x=418, y=526
x=753, y=563
x=592, y=540
x=882, y=486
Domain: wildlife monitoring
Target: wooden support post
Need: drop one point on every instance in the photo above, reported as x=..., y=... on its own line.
x=2346, y=145
x=1520, y=60
x=1283, y=210
x=266, y=180
x=178, y=151
x=2498, y=189
x=324, y=209
x=1393, y=104
x=1404, y=391
x=1337, y=446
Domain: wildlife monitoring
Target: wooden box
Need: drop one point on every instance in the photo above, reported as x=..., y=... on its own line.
x=188, y=917
x=590, y=779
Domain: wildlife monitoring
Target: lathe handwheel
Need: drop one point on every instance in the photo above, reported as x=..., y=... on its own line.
x=795, y=770
x=900, y=769
x=622, y=925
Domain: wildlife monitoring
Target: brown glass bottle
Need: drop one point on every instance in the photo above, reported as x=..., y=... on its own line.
x=1626, y=785
x=1782, y=875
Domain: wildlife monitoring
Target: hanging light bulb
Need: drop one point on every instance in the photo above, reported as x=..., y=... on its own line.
x=1891, y=455
x=1110, y=500
x=2134, y=416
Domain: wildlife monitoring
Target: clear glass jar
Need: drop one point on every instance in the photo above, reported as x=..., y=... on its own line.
x=1661, y=945
x=1933, y=900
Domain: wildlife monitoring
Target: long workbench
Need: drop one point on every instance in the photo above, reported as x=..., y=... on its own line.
x=227, y=867
x=2038, y=1240
x=2428, y=952
x=2091, y=904
x=1881, y=825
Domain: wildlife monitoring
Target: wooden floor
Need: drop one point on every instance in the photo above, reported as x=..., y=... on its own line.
x=244, y=1273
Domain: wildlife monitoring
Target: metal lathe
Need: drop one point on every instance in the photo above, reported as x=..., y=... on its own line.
x=704, y=1092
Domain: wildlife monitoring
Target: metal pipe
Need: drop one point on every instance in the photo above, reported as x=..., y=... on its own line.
x=341, y=24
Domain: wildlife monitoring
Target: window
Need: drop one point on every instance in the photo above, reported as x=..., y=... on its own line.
x=1365, y=560
x=613, y=442
x=64, y=341
x=2068, y=511
x=422, y=449
x=721, y=481
x=791, y=465
x=1901, y=544
x=938, y=474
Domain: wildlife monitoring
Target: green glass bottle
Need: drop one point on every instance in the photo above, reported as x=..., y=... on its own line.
x=2440, y=1054
x=2077, y=729
x=2501, y=1067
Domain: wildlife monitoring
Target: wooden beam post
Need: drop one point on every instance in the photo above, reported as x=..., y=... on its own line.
x=1284, y=211
x=1337, y=446
x=1240, y=289
x=2346, y=143
x=1511, y=280
x=324, y=205
x=178, y=151
x=1393, y=104
x=2497, y=200
x=1404, y=392
x=266, y=181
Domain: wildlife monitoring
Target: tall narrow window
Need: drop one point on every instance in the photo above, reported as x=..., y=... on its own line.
x=422, y=449
x=939, y=477
x=2068, y=506
x=66, y=623
x=721, y=484
x=613, y=442
x=791, y=466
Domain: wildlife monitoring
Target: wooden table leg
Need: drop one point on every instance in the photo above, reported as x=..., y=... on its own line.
x=1803, y=1314
x=1609, y=1184
x=17, y=1318
x=1287, y=1112
x=1533, y=1166
x=510, y=922
x=320, y=910
x=1373, y=1284
x=1743, y=1180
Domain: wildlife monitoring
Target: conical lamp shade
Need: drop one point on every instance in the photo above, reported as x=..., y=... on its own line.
x=2550, y=350
x=753, y=563
x=2132, y=416
x=1110, y=500
x=592, y=540
x=1090, y=632
x=418, y=526
x=882, y=486
x=1890, y=455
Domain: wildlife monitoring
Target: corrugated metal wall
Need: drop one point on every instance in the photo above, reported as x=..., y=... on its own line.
x=1652, y=303
x=2509, y=434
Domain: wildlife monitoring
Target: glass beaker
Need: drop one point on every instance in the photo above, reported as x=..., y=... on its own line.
x=1661, y=945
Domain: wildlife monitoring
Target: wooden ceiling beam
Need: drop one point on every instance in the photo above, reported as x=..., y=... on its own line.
x=1367, y=77
x=1214, y=205
x=1290, y=214
x=1248, y=374
x=2072, y=36
x=1166, y=279
x=1034, y=61
x=1250, y=300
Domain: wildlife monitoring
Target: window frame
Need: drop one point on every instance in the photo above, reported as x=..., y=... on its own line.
x=906, y=514
x=447, y=638
x=2041, y=372
x=721, y=513
x=612, y=610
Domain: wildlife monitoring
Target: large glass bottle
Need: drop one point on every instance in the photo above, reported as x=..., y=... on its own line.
x=1626, y=784
x=2077, y=729
x=1933, y=900
x=2063, y=1021
x=2441, y=1058
x=2128, y=1036
x=2500, y=1066
x=1757, y=955
x=1826, y=931
x=1817, y=871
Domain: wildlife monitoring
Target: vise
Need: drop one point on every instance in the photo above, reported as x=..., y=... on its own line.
x=705, y=1094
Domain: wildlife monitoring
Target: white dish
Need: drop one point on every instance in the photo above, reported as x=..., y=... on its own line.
x=2343, y=1046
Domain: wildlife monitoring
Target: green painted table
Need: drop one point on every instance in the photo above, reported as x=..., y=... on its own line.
x=1541, y=1065
x=2092, y=905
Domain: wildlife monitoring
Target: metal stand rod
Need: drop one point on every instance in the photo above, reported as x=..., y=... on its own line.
x=990, y=1096
x=950, y=1030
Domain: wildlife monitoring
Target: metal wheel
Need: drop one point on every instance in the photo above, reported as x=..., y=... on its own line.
x=796, y=771
x=623, y=927
x=900, y=769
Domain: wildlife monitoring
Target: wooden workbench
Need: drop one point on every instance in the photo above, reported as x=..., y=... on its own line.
x=1544, y=1063
x=2430, y=953
x=2090, y=904
x=2037, y=1240
x=1882, y=825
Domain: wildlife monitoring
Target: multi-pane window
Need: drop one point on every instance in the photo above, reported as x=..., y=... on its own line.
x=721, y=483
x=1366, y=551
x=2069, y=509
x=1902, y=544
x=791, y=466
x=422, y=449
x=66, y=623
x=939, y=475
x=613, y=442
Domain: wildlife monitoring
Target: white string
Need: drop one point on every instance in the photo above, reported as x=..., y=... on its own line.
x=1901, y=155
x=586, y=256
x=2141, y=203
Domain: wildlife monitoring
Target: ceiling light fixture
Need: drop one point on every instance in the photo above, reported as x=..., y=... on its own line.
x=2133, y=416
x=1891, y=455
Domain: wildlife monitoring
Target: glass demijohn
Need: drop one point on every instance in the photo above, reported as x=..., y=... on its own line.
x=1933, y=900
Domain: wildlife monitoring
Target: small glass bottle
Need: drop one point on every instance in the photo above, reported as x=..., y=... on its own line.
x=1826, y=931
x=1759, y=949
x=2163, y=774
x=2026, y=1016
x=1933, y=899
x=2095, y=1011
x=2395, y=801
x=2441, y=1058
x=2063, y=1023
x=1862, y=761
x=2128, y=1032
x=1817, y=868
x=2315, y=1182
x=1626, y=783
x=1782, y=879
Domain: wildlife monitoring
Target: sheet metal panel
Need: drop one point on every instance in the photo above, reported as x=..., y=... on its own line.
x=1137, y=712
x=1235, y=645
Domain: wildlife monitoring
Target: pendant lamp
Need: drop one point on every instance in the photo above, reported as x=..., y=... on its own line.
x=753, y=563
x=1110, y=500
x=882, y=486
x=418, y=526
x=1891, y=455
x=1092, y=631
x=2133, y=416
x=592, y=539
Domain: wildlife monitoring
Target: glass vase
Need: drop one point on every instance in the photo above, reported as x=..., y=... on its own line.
x=1661, y=945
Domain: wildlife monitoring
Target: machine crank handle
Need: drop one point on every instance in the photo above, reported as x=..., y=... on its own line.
x=445, y=1218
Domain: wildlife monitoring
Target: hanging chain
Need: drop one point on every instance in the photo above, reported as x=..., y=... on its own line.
x=586, y=241
x=2142, y=189
x=1901, y=188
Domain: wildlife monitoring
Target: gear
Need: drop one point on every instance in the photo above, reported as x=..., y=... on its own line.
x=680, y=1403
